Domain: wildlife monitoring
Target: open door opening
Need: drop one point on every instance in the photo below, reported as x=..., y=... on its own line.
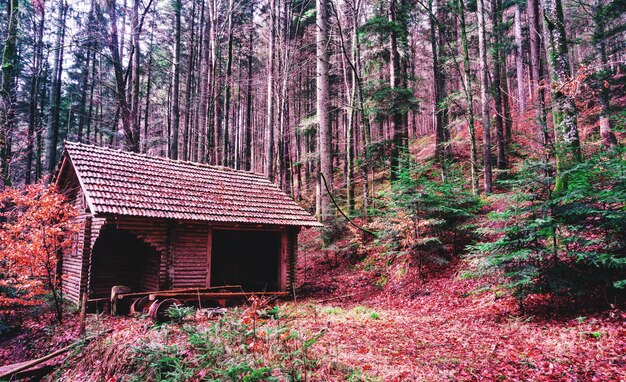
x=121, y=258
x=247, y=258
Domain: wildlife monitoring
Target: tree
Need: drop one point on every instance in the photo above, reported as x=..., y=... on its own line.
x=566, y=244
x=39, y=226
x=484, y=96
x=7, y=95
x=176, y=6
x=269, y=142
x=323, y=106
x=469, y=97
x=564, y=113
x=603, y=12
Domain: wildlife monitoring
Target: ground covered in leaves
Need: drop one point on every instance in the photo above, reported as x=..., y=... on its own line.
x=347, y=325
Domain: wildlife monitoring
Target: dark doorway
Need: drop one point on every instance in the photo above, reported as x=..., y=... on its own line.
x=246, y=258
x=121, y=258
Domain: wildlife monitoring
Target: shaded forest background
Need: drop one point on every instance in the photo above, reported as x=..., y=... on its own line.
x=398, y=113
x=278, y=88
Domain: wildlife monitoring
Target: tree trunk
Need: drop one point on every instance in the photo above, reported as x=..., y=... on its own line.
x=227, y=86
x=323, y=103
x=397, y=130
x=33, y=114
x=497, y=86
x=269, y=126
x=484, y=97
x=54, y=104
x=563, y=106
x=7, y=96
x=603, y=75
x=130, y=140
x=519, y=60
x=177, y=5
x=469, y=98
x=537, y=89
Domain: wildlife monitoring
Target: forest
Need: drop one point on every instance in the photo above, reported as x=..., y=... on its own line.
x=466, y=158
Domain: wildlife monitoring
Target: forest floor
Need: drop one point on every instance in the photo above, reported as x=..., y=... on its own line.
x=452, y=327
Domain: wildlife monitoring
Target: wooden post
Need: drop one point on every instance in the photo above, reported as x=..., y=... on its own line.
x=83, y=312
x=208, y=256
x=282, y=260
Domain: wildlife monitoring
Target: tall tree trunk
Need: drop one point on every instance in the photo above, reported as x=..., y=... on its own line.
x=484, y=97
x=177, y=6
x=148, y=93
x=247, y=144
x=497, y=85
x=603, y=74
x=227, y=86
x=519, y=60
x=269, y=126
x=134, y=93
x=397, y=130
x=469, y=97
x=130, y=140
x=7, y=96
x=189, y=85
x=440, y=109
x=563, y=106
x=33, y=113
x=323, y=111
x=537, y=88
x=54, y=104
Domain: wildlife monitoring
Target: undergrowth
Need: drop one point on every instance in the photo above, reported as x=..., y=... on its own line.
x=252, y=344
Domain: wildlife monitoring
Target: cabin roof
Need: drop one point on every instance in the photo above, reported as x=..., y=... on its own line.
x=117, y=182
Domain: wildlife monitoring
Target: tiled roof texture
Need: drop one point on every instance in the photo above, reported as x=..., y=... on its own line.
x=124, y=183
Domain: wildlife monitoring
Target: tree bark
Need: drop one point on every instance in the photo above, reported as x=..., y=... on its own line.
x=269, y=126
x=563, y=107
x=7, y=96
x=537, y=88
x=52, y=133
x=603, y=74
x=484, y=97
x=469, y=97
x=519, y=60
x=177, y=5
x=323, y=103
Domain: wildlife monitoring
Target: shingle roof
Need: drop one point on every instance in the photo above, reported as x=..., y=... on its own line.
x=124, y=183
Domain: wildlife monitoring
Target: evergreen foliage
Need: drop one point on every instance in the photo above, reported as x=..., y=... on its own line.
x=569, y=243
x=431, y=219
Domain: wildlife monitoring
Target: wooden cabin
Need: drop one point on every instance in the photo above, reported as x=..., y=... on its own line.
x=152, y=223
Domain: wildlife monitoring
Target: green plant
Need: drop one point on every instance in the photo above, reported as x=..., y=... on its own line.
x=568, y=243
x=428, y=220
x=179, y=313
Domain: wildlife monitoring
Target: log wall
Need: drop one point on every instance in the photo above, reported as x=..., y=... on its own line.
x=189, y=255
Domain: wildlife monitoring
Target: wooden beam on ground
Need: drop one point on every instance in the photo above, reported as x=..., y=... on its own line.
x=10, y=371
x=214, y=295
x=182, y=290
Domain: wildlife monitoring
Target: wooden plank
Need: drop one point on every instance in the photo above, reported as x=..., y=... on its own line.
x=173, y=291
x=11, y=370
x=214, y=295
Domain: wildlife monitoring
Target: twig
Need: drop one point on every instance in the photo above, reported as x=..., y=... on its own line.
x=342, y=213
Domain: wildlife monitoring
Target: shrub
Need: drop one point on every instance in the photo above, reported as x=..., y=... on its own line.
x=570, y=243
x=37, y=226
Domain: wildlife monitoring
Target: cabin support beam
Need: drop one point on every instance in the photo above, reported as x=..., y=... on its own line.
x=209, y=248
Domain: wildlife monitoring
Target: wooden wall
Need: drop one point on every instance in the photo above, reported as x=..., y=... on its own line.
x=183, y=249
x=75, y=265
x=189, y=254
